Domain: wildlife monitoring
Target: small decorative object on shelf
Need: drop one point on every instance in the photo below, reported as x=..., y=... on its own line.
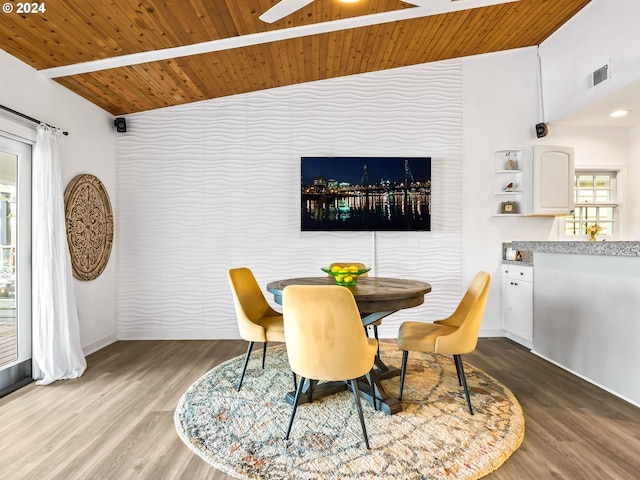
x=345, y=275
x=513, y=255
x=593, y=230
x=509, y=182
x=508, y=207
x=511, y=163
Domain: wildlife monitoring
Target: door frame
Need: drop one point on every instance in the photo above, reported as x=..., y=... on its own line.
x=18, y=373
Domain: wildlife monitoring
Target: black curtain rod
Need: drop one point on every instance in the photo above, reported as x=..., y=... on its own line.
x=31, y=119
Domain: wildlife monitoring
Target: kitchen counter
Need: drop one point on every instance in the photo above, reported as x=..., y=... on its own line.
x=618, y=249
x=586, y=298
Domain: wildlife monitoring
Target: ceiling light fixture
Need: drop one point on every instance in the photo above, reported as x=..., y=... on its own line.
x=620, y=113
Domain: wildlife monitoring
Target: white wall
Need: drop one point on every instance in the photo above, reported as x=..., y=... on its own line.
x=602, y=148
x=183, y=229
x=501, y=108
x=255, y=140
x=215, y=185
x=603, y=32
x=634, y=179
x=205, y=187
x=89, y=148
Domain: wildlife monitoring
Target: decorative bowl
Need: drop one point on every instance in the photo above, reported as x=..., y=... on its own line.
x=346, y=275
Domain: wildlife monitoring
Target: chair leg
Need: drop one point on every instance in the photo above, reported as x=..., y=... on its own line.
x=295, y=380
x=264, y=354
x=403, y=371
x=295, y=406
x=246, y=361
x=458, y=360
x=375, y=334
x=356, y=395
x=457, y=370
x=373, y=391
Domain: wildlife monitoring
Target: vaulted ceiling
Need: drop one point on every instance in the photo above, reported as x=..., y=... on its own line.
x=134, y=55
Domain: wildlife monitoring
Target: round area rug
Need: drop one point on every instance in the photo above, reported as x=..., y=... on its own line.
x=434, y=437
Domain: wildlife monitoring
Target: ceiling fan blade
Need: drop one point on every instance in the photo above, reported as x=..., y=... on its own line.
x=282, y=9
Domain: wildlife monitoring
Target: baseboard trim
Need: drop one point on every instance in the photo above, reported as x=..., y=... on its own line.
x=491, y=332
x=100, y=344
x=218, y=334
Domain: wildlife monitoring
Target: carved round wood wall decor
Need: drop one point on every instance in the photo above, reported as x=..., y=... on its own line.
x=89, y=222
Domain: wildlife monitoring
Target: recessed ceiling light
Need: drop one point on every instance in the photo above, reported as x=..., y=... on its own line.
x=620, y=113
x=349, y=1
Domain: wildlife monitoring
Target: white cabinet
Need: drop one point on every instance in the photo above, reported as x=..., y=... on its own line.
x=535, y=180
x=552, y=180
x=517, y=303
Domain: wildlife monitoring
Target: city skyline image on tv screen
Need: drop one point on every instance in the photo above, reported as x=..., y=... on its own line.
x=365, y=193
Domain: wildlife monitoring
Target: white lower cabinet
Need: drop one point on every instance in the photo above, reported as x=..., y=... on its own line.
x=517, y=303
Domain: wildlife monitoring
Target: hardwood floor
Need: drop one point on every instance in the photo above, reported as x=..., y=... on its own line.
x=116, y=421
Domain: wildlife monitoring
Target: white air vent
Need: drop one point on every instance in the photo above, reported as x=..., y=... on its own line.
x=600, y=75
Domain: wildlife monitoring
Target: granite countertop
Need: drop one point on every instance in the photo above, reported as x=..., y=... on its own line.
x=620, y=249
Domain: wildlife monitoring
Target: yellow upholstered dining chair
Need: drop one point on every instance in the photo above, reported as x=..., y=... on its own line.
x=257, y=321
x=455, y=335
x=325, y=339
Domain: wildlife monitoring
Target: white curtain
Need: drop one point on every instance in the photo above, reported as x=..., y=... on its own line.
x=57, y=353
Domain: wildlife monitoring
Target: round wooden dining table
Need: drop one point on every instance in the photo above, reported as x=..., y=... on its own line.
x=376, y=297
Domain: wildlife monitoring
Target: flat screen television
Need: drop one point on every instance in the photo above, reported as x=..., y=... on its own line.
x=365, y=193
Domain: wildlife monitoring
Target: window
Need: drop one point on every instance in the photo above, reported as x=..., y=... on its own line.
x=595, y=203
x=15, y=264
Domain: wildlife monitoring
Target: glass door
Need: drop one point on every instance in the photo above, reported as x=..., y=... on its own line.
x=15, y=261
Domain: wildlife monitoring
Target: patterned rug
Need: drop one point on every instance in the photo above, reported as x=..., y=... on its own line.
x=434, y=437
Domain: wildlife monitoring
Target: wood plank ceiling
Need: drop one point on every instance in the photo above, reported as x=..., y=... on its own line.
x=76, y=31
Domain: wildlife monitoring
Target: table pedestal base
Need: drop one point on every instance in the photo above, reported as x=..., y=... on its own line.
x=389, y=405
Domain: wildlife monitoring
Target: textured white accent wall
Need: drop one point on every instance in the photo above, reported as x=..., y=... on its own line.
x=215, y=185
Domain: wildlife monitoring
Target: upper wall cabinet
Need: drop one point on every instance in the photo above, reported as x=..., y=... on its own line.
x=534, y=180
x=552, y=180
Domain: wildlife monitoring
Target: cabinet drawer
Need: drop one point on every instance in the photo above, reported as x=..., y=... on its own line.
x=517, y=272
